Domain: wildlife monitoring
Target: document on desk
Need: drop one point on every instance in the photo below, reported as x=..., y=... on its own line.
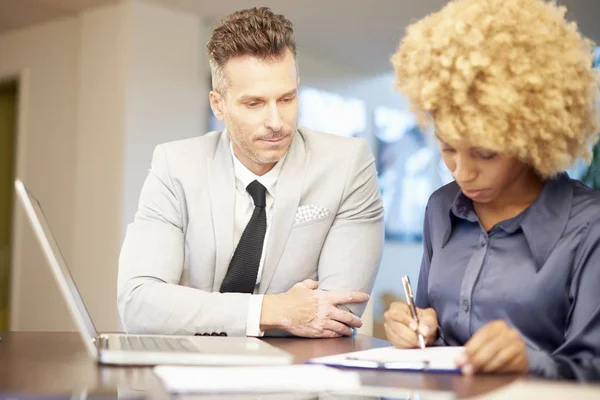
x=430, y=359
x=292, y=378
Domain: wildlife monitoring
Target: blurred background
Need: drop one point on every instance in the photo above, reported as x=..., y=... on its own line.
x=89, y=87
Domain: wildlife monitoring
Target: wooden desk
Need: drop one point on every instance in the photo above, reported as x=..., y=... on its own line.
x=56, y=363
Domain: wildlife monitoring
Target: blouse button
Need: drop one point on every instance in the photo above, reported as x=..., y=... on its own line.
x=465, y=305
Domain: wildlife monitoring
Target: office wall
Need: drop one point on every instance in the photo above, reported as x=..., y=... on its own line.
x=103, y=87
x=46, y=55
x=167, y=89
x=100, y=117
x=140, y=86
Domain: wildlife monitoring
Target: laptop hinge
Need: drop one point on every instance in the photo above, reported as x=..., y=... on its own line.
x=101, y=342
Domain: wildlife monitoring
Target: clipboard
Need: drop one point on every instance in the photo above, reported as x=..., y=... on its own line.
x=431, y=359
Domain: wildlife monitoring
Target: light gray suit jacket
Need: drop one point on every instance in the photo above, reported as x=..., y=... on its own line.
x=177, y=250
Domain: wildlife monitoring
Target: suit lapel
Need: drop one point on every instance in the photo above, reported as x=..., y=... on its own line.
x=287, y=198
x=222, y=200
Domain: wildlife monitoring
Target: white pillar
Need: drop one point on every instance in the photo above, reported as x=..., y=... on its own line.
x=141, y=83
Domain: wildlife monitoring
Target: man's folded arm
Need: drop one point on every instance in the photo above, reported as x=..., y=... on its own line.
x=353, y=247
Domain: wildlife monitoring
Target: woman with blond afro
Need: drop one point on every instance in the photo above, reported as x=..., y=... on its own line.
x=511, y=264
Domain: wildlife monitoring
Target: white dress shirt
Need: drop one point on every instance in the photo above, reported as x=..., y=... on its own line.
x=244, y=207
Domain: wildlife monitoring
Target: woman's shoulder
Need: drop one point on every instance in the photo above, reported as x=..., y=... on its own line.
x=585, y=208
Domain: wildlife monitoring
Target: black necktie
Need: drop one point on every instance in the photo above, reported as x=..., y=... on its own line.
x=243, y=268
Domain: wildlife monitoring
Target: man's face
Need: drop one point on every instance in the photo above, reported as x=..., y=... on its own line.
x=259, y=108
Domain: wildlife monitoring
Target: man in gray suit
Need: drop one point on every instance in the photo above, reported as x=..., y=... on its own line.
x=260, y=228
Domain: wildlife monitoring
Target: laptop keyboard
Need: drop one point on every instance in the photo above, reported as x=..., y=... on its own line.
x=161, y=344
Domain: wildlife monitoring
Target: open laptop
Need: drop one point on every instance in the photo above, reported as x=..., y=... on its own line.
x=124, y=349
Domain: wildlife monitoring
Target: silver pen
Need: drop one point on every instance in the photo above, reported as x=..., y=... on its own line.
x=411, y=305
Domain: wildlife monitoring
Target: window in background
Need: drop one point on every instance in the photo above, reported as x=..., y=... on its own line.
x=410, y=169
x=332, y=113
x=591, y=175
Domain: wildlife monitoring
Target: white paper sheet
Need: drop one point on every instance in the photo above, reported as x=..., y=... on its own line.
x=430, y=358
x=293, y=378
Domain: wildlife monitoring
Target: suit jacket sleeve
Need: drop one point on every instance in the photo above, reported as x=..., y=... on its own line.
x=353, y=247
x=150, y=299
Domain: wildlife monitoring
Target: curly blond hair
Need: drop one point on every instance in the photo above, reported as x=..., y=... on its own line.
x=511, y=76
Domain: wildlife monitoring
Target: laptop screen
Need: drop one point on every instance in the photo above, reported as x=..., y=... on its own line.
x=59, y=268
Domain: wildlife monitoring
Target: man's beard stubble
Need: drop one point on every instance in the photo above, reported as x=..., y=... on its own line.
x=246, y=147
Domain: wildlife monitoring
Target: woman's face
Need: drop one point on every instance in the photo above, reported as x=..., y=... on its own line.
x=483, y=176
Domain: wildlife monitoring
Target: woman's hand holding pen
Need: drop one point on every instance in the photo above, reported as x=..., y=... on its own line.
x=495, y=348
x=401, y=329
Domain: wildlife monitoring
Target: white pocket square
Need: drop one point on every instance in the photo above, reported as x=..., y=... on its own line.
x=310, y=212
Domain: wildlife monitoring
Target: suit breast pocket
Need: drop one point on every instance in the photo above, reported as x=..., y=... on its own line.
x=324, y=220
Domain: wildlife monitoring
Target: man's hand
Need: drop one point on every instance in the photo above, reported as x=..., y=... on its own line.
x=495, y=348
x=304, y=310
x=401, y=328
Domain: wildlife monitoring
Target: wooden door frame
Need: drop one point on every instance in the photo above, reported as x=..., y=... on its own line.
x=22, y=79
